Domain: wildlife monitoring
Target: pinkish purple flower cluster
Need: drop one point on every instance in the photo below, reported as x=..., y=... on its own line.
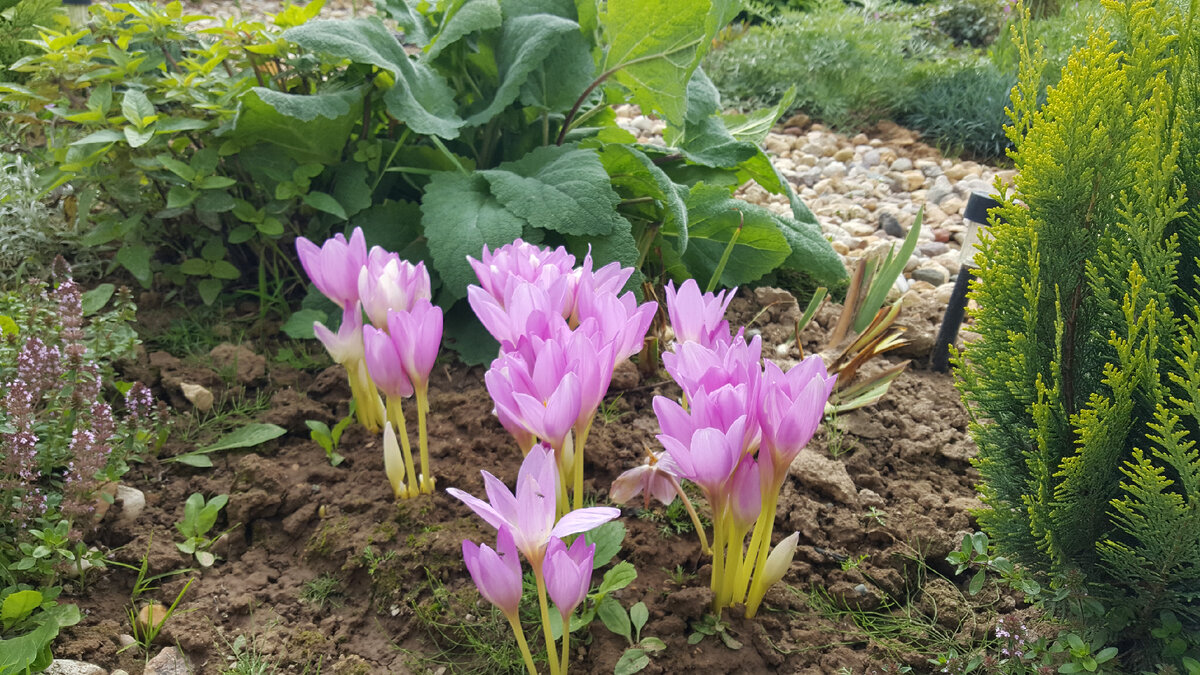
x=395, y=354
x=562, y=331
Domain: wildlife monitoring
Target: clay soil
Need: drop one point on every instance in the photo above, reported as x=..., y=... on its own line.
x=403, y=602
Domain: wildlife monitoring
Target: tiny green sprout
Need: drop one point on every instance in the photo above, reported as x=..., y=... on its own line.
x=876, y=515
x=679, y=576
x=329, y=439
x=199, y=517
x=610, y=410
x=713, y=625
x=853, y=563
x=325, y=589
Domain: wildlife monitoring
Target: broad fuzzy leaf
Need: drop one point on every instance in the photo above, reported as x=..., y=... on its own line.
x=525, y=42
x=463, y=18
x=460, y=216
x=420, y=97
x=307, y=128
x=559, y=188
x=714, y=217
x=562, y=76
x=631, y=171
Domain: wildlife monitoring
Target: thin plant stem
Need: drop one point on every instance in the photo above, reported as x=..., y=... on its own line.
x=395, y=412
x=687, y=504
x=525, y=655
x=577, y=465
x=551, y=652
x=423, y=437
x=449, y=155
x=566, y=645
x=734, y=561
x=718, y=571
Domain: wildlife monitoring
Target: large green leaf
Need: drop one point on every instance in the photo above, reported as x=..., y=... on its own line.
x=461, y=19
x=632, y=171
x=562, y=77
x=460, y=216
x=525, y=42
x=416, y=27
x=31, y=652
x=754, y=127
x=420, y=98
x=308, y=128
x=703, y=138
x=618, y=246
x=713, y=220
x=558, y=188
x=654, y=47
x=811, y=252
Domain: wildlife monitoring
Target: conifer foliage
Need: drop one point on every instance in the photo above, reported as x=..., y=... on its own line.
x=1085, y=386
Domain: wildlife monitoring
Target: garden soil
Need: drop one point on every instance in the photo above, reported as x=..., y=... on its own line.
x=880, y=497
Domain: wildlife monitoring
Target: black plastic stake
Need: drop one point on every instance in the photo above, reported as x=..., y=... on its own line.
x=939, y=360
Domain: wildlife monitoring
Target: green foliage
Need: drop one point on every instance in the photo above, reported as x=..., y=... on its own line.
x=961, y=107
x=499, y=124
x=1084, y=383
x=19, y=21
x=971, y=23
x=848, y=65
x=199, y=517
x=29, y=622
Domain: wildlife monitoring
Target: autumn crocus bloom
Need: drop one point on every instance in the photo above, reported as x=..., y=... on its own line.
x=334, y=266
x=385, y=364
x=697, y=317
x=496, y=573
x=649, y=479
x=530, y=513
x=546, y=393
x=521, y=260
x=417, y=333
x=528, y=310
x=568, y=573
x=387, y=282
x=792, y=406
x=707, y=457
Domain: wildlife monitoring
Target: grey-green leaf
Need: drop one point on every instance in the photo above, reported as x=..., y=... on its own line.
x=632, y=661
x=308, y=128
x=525, y=42
x=460, y=216
x=420, y=98
x=562, y=76
x=246, y=437
x=93, y=300
x=614, y=617
x=558, y=188
x=470, y=16
x=632, y=170
x=811, y=251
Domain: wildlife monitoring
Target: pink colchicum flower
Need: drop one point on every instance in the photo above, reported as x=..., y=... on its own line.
x=530, y=514
x=527, y=311
x=520, y=260
x=697, y=317
x=385, y=364
x=650, y=479
x=707, y=457
x=792, y=406
x=568, y=573
x=345, y=346
x=496, y=573
x=387, y=282
x=417, y=333
x=543, y=397
x=334, y=266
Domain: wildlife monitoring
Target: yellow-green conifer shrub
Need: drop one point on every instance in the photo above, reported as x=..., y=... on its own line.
x=1085, y=386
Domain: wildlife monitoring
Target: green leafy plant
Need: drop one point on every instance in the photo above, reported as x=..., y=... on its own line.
x=713, y=625
x=29, y=622
x=199, y=517
x=328, y=438
x=146, y=623
x=323, y=590
x=1083, y=386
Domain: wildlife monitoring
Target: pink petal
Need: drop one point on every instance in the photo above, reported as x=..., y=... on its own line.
x=582, y=520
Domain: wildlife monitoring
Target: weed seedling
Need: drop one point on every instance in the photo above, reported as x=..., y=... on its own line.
x=325, y=589
x=198, y=519
x=148, y=622
x=713, y=625
x=329, y=439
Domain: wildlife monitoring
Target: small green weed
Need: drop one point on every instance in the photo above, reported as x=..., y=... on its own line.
x=245, y=659
x=324, y=590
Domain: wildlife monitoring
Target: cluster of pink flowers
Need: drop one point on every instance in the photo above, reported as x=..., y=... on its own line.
x=395, y=354
x=740, y=425
x=562, y=330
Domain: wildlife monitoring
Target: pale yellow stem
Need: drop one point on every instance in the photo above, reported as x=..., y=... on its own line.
x=687, y=504
x=423, y=438
x=566, y=645
x=395, y=413
x=551, y=652
x=577, y=463
x=528, y=657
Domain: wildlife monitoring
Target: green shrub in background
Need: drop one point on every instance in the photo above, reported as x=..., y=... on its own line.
x=1085, y=385
x=969, y=23
x=215, y=149
x=849, y=66
x=19, y=20
x=960, y=107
